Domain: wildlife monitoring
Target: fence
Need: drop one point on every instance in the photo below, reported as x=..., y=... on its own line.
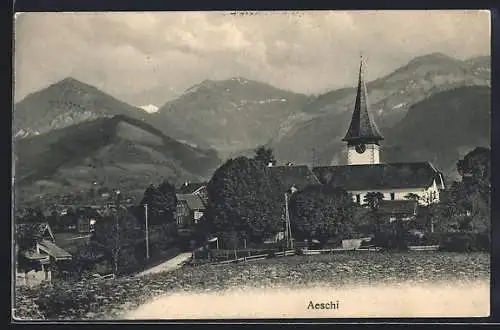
x=259, y=257
x=236, y=256
x=337, y=250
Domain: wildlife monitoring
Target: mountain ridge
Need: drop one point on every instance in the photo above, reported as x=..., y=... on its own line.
x=390, y=98
x=119, y=151
x=70, y=101
x=232, y=114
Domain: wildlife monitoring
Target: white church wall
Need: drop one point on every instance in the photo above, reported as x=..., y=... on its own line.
x=427, y=195
x=432, y=194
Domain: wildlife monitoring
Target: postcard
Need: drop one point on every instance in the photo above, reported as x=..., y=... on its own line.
x=228, y=165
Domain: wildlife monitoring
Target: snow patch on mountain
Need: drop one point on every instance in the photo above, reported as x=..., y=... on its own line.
x=150, y=108
x=400, y=105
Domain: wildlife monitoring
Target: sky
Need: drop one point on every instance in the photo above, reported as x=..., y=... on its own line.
x=151, y=57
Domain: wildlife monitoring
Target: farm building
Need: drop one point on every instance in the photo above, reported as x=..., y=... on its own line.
x=86, y=220
x=190, y=209
x=404, y=210
x=194, y=188
x=36, y=253
x=365, y=173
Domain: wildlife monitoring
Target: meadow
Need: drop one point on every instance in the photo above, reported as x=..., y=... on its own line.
x=114, y=299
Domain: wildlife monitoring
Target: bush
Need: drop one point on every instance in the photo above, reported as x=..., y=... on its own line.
x=25, y=306
x=271, y=255
x=461, y=241
x=392, y=241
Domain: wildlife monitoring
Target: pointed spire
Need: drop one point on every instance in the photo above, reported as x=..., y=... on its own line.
x=363, y=127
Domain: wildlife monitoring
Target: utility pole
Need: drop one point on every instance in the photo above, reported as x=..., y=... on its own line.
x=286, y=219
x=288, y=231
x=147, y=232
x=117, y=234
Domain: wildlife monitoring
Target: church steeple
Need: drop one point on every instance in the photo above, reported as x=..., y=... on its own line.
x=363, y=128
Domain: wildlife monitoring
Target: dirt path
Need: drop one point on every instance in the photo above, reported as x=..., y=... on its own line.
x=168, y=265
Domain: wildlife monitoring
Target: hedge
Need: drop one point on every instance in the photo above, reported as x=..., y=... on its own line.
x=448, y=241
x=460, y=241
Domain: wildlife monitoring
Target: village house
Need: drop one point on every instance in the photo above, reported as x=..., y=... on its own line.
x=190, y=209
x=86, y=220
x=469, y=169
x=36, y=253
x=398, y=210
x=194, y=188
x=365, y=172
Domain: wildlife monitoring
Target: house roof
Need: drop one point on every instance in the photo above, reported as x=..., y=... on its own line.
x=299, y=176
x=190, y=187
x=378, y=176
x=37, y=228
x=362, y=126
x=398, y=207
x=193, y=202
x=53, y=250
x=33, y=255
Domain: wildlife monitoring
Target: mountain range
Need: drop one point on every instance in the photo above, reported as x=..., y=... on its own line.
x=390, y=97
x=233, y=114
x=70, y=102
x=411, y=106
x=118, y=151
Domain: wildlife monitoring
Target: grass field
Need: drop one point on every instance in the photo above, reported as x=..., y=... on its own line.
x=114, y=298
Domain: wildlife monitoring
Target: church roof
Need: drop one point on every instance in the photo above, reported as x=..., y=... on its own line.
x=362, y=126
x=299, y=176
x=378, y=176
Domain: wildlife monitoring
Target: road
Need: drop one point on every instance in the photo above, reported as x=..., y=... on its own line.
x=168, y=265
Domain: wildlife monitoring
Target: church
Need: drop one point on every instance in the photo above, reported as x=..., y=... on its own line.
x=365, y=172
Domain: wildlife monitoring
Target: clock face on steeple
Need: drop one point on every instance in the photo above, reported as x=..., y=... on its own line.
x=360, y=148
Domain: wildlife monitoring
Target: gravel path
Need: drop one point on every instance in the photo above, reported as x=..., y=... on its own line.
x=169, y=265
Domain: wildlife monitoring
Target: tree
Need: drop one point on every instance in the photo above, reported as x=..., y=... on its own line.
x=244, y=199
x=412, y=197
x=322, y=212
x=162, y=203
x=372, y=199
x=467, y=203
x=476, y=165
x=115, y=233
x=362, y=221
x=264, y=155
x=30, y=215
